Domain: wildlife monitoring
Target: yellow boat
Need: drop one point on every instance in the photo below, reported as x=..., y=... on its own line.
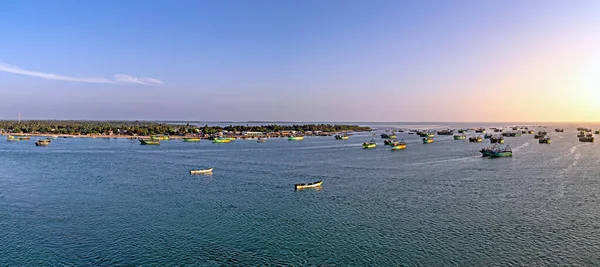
x=308, y=185
x=427, y=140
x=191, y=139
x=296, y=138
x=205, y=171
x=399, y=146
x=221, y=141
x=370, y=144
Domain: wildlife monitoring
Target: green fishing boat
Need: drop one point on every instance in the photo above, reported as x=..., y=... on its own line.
x=506, y=152
x=370, y=144
x=296, y=138
x=427, y=140
x=149, y=142
x=460, y=137
x=191, y=139
x=399, y=145
x=221, y=140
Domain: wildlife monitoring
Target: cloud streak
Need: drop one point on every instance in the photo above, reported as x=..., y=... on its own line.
x=118, y=78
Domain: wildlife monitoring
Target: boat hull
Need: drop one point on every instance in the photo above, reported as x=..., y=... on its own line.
x=501, y=154
x=308, y=186
x=191, y=139
x=219, y=141
x=368, y=146
x=149, y=142
x=296, y=138
x=207, y=171
x=399, y=147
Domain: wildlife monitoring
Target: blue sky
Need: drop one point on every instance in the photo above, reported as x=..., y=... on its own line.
x=296, y=60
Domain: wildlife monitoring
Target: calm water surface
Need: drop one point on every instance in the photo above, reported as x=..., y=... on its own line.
x=115, y=202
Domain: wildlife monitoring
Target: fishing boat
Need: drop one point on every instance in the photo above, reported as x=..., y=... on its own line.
x=460, y=137
x=399, y=145
x=221, y=140
x=308, y=185
x=385, y=136
x=497, y=139
x=342, y=137
x=559, y=130
x=474, y=139
x=24, y=137
x=205, y=171
x=488, y=136
x=370, y=144
x=42, y=142
x=597, y=132
x=586, y=139
x=505, y=152
x=296, y=138
x=427, y=140
x=261, y=140
x=191, y=139
x=390, y=142
x=530, y=132
x=159, y=137
x=444, y=132
x=545, y=140
x=149, y=142
x=581, y=134
x=487, y=151
x=480, y=130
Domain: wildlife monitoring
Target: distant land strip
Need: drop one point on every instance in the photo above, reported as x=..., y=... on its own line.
x=144, y=128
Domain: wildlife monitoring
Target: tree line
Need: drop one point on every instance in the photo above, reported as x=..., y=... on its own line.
x=154, y=128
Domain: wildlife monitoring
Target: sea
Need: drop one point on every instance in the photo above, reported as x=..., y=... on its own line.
x=114, y=202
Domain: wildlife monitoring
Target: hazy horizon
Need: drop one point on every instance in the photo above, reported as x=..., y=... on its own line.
x=438, y=61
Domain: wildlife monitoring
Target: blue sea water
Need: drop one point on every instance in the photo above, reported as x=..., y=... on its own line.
x=109, y=202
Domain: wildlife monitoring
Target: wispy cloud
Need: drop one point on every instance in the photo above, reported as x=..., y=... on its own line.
x=119, y=78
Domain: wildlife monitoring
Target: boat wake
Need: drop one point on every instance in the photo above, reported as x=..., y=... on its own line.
x=571, y=151
x=561, y=187
x=445, y=160
x=521, y=146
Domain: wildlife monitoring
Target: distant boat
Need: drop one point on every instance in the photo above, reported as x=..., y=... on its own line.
x=399, y=145
x=474, y=139
x=499, y=139
x=390, y=142
x=558, y=130
x=149, y=142
x=545, y=140
x=24, y=137
x=261, y=140
x=191, y=139
x=296, y=138
x=42, y=142
x=586, y=139
x=308, y=185
x=205, y=171
x=486, y=152
x=427, y=140
x=370, y=144
x=460, y=137
x=342, y=137
x=221, y=140
x=505, y=152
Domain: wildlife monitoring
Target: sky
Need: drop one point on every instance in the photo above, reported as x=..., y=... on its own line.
x=311, y=60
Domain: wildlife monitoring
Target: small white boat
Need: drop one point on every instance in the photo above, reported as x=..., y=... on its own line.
x=316, y=184
x=205, y=171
